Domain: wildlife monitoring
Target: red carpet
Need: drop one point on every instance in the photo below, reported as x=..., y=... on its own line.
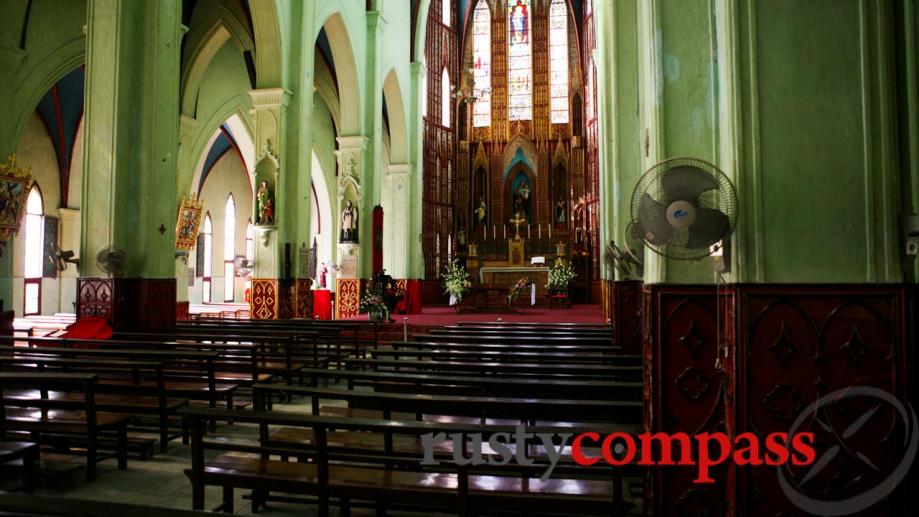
x=440, y=316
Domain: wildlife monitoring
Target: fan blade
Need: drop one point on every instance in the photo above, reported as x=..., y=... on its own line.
x=654, y=221
x=686, y=183
x=710, y=227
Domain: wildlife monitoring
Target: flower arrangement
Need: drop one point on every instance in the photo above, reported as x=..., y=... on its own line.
x=456, y=280
x=560, y=275
x=374, y=305
x=516, y=289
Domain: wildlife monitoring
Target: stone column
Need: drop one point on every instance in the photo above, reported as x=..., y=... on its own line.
x=269, y=115
x=396, y=227
x=350, y=153
x=131, y=144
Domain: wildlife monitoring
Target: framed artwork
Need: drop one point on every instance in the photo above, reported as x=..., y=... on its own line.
x=187, y=223
x=14, y=189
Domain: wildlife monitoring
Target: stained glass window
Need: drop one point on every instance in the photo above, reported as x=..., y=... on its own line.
x=558, y=61
x=481, y=65
x=445, y=12
x=229, y=249
x=519, y=61
x=424, y=86
x=445, y=99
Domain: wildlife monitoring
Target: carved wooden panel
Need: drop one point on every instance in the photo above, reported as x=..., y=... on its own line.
x=265, y=299
x=304, y=298
x=348, y=295
x=95, y=297
x=683, y=391
x=625, y=313
x=801, y=343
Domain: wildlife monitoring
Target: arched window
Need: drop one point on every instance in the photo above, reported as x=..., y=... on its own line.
x=229, y=248
x=208, y=259
x=519, y=61
x=35, y=249
x=445, y=99
x=445, y=12
x=481, y=65
x=558, y=61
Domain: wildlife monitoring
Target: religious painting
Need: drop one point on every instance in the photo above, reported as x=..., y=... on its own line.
x=187, y=222
x=14, y=189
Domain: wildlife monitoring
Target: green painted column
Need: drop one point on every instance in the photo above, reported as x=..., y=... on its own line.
x=372, y=169
x=131, y=134
x=415, y=266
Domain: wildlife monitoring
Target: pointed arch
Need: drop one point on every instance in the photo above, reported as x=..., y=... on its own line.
x=203, y=43
x=208, y=259
x=229, y=248
x=346, y=72
x=395, y=105
x=445, y=103
x=558, y=61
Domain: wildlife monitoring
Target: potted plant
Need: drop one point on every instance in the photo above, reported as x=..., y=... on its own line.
x=456, y=281
x=560, y=275
x=373, y=304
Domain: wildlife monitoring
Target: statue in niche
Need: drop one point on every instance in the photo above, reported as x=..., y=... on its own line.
x=461, y=231
x=561, y=212
x=481, y=211
x=522, y=199
x=265, y=215
x=349, y=223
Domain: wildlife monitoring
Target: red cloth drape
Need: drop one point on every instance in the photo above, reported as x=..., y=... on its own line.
x=322, y=304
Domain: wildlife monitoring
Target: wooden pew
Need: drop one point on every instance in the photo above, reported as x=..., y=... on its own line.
x=524, y=339
x=193, y=374
x=431, y=383
x=63, y=417
x=387, y=480
x=534, y=324
x=133, y=399
x=571, y=371
x=525, y=410
x=498, y=347
x=507, y=355
x=26, y=455
x=49, y=506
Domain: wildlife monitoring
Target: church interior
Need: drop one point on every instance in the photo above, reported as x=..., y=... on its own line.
x=458, y=257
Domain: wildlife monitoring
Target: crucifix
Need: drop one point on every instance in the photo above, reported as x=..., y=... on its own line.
x=517, y=221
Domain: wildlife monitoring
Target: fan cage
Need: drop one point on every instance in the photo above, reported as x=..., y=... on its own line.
x=724, y=198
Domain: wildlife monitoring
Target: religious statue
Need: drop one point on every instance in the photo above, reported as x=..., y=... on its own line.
x=349, y=223
x=481, y=211
x=522, y=199
x=560, y=212
x=519, y=23
x=265, y=202
x=322, y=277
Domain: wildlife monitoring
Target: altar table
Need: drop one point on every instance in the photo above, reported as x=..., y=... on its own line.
x=322, y=304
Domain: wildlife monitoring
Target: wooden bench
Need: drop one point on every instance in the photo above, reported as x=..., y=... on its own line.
x=24, y=454
x=523, y=339
x=63, y=416
x=386, y=480
x=49, y=506
x=508, y=355
x=533, y=324
x=570, y=371
x=134, y=399
x=498, y=347
x=475, y=384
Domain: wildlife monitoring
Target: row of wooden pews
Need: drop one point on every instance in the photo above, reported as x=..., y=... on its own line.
x=106, y=398
x=369, y=425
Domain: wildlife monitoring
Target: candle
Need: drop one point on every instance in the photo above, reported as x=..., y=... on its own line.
x=539, y=230
x=550, y=231
x=528, y=231
x=503, y=231
x=494, y=231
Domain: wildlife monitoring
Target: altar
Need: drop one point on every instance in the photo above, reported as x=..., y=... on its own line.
x=509, y=275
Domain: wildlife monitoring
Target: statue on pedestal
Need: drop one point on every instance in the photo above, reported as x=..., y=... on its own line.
x=349, y=223
x=265, y=215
